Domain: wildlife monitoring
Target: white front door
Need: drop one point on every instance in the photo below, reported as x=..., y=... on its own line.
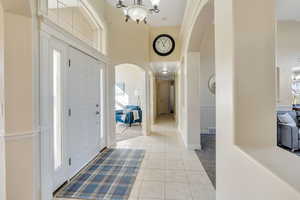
x=71, y=117
x=84, y=120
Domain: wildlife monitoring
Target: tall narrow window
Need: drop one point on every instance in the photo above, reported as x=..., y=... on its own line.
x=57, y=125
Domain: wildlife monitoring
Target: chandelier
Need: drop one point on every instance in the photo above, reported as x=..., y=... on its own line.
x=138, y=11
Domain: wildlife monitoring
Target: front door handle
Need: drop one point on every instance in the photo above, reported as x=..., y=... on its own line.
x=97, y=113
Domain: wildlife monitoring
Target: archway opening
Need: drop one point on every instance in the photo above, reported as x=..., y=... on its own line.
x=200, y=88
x=130, y=101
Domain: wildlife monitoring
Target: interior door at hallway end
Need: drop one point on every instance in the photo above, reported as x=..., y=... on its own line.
x=84, y=101
x=163, y=96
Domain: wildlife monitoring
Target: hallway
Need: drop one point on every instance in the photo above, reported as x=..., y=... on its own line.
x=169, y=171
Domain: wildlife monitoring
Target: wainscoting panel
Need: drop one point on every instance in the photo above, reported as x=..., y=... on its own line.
x=21, y=164
x=283, y=107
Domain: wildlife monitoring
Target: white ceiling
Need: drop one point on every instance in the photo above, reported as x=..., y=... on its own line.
x=288, y=9
x=171, y=12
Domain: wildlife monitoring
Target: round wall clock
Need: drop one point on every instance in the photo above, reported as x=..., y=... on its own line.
x=164, y=45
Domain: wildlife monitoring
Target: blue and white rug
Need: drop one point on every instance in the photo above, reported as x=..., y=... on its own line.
x=109, y=177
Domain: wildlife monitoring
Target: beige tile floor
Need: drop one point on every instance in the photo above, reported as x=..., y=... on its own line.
x=169, y=171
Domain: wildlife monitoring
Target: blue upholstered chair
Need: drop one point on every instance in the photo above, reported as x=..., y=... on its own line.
x=129, y=119
x=287, y=135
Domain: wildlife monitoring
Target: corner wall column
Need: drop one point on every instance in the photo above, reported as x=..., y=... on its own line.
x=192, y=99
x=20, y=136
x=111, y=123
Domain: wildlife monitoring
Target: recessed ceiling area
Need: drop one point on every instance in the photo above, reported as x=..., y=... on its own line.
x=171, y=12
x=165, y=70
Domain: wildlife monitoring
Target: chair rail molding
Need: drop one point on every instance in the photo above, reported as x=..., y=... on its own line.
x=20, y=135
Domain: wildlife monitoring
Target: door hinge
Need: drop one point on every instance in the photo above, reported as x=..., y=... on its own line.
x=69, y=62
x=70, y=161
x=69, y=112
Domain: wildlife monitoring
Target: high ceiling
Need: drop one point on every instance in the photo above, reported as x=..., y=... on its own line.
x=171, y=12
x=288, y=9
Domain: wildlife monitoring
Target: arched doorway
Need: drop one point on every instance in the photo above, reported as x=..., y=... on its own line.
x=198, y=100
x=245, y=76
x=130, y=101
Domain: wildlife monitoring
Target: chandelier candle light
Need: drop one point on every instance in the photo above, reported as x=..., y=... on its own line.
x=138, y=11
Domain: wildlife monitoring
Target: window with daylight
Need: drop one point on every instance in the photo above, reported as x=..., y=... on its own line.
x=75, y=17
x=122, y=99
x=57, y=109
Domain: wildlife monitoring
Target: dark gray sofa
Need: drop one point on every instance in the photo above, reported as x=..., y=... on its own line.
x=287, y=135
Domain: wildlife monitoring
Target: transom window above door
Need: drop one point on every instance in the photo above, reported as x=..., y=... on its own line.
x=76, y=17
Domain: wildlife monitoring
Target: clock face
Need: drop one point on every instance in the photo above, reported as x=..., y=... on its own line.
x=164, y=45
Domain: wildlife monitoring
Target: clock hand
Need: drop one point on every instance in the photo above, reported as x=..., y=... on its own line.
x=163, y=43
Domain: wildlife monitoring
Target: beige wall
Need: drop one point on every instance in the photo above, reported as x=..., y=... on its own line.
x=18, y=73
x=127, y=42
x=1, y=67
x=2, y=143
x=207, y=66
x=191, y=101
x=132, y=43
x=153, y=96
x=177, y=99
x=181, y=76
x=288, y=57
x=19, y=108
x=207, y=69
x=172, y=31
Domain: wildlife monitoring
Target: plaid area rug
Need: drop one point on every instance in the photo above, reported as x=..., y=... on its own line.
x=109, y=177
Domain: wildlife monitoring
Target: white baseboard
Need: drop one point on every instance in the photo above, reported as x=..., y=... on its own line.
x=182, y=138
